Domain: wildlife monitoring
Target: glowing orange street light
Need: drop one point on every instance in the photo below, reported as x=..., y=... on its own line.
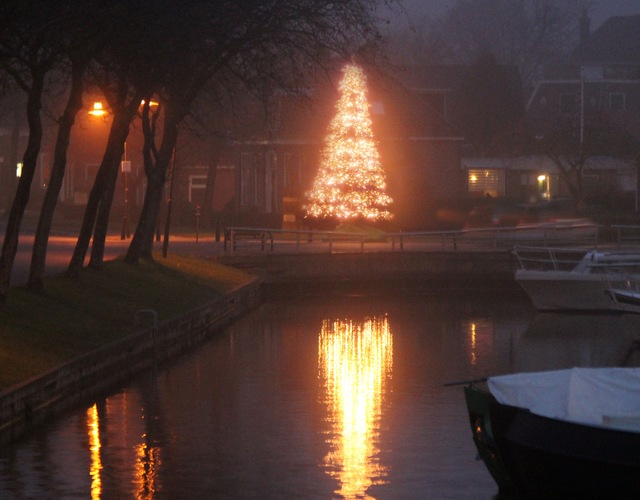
x=97, y=109
x=152, y=104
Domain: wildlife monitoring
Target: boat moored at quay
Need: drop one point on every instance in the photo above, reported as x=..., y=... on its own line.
x=572, y=433
x=571, y=279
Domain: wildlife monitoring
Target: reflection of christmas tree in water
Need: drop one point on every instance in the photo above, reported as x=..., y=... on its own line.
x=350, y=183
x=355, y=359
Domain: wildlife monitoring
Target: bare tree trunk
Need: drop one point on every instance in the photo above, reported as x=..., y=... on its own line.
x=167, y=221
x=9, y=181
x=29, y=163
x=39, y=254
x=141, y=246
x=101, y=227
x=110, y=164
x=571, y=175
x=142, y=242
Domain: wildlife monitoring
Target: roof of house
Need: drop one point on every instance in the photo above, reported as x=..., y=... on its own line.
x=398, y=112
x=406, y=114
x=617, y=41
x=444, y=77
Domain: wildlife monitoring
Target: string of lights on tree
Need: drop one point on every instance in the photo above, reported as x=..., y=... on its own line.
x=350, y=184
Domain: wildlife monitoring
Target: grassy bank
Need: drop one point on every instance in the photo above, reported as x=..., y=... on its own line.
x=73, y=316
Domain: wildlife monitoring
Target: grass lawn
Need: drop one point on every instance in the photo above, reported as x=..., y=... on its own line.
x=39, y=331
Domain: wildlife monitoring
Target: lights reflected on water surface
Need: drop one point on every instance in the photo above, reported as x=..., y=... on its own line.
x=95, y=469
x=286, y=405
x=119, y=429
x=147, y=466
x=355, y=364
x=479, y=343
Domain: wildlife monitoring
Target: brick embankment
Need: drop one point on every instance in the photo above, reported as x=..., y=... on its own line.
x=43, y=397
x=438, y=270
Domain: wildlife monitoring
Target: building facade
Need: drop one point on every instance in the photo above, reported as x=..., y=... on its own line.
x=258, y=171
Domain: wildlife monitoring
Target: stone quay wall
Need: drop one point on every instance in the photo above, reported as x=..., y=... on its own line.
x=300, y=272
x=31, y=403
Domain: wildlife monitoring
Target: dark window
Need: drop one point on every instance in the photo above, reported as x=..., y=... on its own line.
x=436, y=101
x=617, y=101
x=568, y=104
x=248, y=178
x=291, y=172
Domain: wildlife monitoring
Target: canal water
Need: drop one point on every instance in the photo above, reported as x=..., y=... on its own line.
x=333, y=397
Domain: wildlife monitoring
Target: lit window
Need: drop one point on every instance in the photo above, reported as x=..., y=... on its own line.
x=486, y=182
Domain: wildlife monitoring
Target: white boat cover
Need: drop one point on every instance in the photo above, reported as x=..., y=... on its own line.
x=597, y=396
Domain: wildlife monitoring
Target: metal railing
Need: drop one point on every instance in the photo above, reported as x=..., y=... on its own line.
x=567, y=233
x=627, y=234
x=547, y=258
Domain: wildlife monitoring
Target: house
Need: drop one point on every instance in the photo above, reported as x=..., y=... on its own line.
x=276, y=163
x=598, y=88
x=431, y=142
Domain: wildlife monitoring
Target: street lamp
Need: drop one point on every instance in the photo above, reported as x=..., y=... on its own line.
x=97, y=109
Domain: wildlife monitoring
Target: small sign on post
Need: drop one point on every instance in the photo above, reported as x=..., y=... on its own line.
x=126, y=166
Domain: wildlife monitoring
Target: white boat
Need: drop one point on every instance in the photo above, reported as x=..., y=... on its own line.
x=563, y=279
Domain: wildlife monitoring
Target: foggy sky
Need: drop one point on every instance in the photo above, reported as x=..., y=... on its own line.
x=601, y=11
x=605, y=9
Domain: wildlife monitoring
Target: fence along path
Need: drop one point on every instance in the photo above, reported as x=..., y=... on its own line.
x=566, y=233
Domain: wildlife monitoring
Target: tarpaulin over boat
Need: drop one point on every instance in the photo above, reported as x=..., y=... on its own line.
x=597, y=396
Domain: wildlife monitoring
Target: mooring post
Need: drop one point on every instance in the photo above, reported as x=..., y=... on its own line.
x=154, y=330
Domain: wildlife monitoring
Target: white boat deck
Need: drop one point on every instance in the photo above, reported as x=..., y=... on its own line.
x=567, y=279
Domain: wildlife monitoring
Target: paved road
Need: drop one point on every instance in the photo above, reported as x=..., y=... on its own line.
x=61, y=245
x=61, y=248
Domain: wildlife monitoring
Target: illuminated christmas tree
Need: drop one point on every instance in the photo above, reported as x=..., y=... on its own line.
x=350, y=183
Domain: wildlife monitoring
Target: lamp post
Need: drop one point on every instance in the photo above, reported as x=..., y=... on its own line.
x=98, y=110
x=126, y=168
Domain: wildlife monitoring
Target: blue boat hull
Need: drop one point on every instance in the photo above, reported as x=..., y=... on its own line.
x=551, y=458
